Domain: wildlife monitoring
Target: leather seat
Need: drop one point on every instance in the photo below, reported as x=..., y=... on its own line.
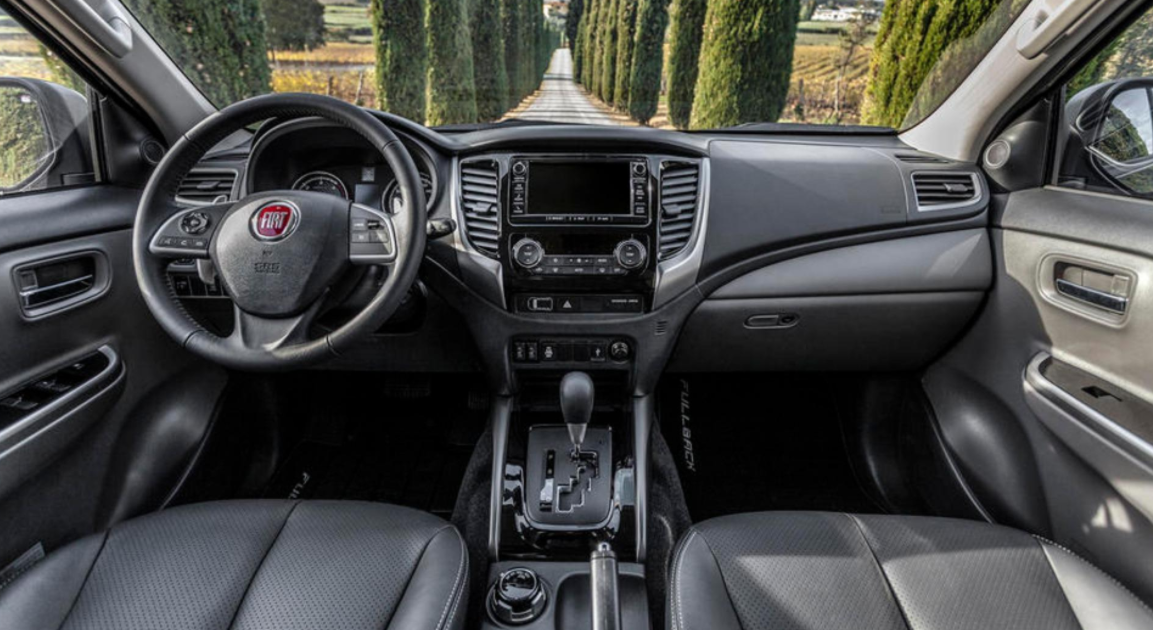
x=808, y=570
x=279, y=565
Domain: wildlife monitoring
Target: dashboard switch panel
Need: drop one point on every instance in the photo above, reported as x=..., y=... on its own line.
x=569, y=303
x=570, y=350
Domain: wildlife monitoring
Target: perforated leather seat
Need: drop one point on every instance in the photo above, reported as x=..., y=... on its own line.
x=806, y=570
x=278, y=565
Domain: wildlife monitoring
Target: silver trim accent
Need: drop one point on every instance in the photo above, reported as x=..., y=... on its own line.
x=679, y=273
x=978, y=191
x=1098, y=424
x=29, y=426
x=199, y=204
x=180, y=252
x=1098, y=299
x=320, y=174
x=375, y=259
x=478, y=267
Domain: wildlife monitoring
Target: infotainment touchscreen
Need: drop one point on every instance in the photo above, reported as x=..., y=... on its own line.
x=580, y=188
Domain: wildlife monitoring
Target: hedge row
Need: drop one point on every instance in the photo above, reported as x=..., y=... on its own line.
x=459, y=61
x=729, y=60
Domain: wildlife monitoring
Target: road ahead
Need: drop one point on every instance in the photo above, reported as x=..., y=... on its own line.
x=560, y=99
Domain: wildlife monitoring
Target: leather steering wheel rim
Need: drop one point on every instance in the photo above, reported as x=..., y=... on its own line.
x=157, y=206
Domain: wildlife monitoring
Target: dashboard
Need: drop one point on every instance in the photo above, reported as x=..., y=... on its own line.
x=633, y=251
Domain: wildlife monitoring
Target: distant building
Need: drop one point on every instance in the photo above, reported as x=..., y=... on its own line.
x=842, y=14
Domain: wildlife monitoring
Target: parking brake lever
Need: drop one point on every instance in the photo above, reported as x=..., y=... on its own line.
x=606, y=602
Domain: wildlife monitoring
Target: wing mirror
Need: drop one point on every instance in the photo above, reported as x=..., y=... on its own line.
x=1114, y=124
x=44, y=139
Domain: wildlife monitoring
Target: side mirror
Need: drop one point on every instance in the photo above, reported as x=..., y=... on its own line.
x=44, y=139
x=1114, y=123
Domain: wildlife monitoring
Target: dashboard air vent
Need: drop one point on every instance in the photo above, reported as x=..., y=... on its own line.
x=920, y=158
x=680, y=191
x=940, y=189
x=205, y=186
x=480, y=203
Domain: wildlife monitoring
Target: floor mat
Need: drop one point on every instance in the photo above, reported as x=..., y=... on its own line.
x=745, y=443
x=406, y=441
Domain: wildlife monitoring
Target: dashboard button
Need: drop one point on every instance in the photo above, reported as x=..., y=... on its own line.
x=631, y=254
x=597, y=351
x=540, y=304
x=528, y=253
x=619, y=350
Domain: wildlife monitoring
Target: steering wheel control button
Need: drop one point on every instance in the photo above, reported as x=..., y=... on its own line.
x=527, y=253
x=275, y=221
x=194, y=223
x=370, y=237
x=631, y=254
x=518, y=597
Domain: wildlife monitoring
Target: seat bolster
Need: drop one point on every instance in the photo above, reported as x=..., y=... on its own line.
x=1098, y=601
x=42, y=598
x=697, y=595
x=439, y=583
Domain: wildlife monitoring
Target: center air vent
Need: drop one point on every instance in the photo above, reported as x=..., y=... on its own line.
x=205, y=186
x=936, y=190
x=480, y=203
x=680, y=191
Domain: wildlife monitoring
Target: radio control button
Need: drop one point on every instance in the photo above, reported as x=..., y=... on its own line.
x=631, y=254
x=527, y=253
x=519, y=168
x=640, y=168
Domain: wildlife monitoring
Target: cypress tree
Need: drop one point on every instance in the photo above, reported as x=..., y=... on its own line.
x=598, y=51
x=527, y=42
x=609, y=52
x=588, y=51
x=648, y=58
x=489, y=70
x=748, y=47
x=914, y=57
x=576, y=44
x=222, y=43
x=401, y=57
x=626, y=39
x=684, y=57
x=573, y=21
x=451, y=87
x=510, y=17
x=294, y=24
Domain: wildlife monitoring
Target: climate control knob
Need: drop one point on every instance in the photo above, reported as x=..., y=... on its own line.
x=527, y=253
x=631, y=254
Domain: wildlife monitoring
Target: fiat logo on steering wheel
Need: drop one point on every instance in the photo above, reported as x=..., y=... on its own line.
x=275, y=221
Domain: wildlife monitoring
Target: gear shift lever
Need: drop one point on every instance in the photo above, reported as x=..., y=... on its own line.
x=576, y=405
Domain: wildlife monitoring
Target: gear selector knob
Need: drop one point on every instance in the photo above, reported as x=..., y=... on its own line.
x=576, y=405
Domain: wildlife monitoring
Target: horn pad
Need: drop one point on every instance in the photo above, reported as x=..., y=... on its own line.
x=277, y=253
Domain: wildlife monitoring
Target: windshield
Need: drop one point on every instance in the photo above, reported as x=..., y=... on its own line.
x=675, y=64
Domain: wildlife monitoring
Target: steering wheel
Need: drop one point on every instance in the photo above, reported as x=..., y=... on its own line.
x=278, y=252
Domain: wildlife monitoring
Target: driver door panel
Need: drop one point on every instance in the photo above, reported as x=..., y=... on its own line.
x=79, y=355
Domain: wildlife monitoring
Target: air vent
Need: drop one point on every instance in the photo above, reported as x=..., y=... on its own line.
x=919, y=158
x=204, y=186
x=480, y=202
x=680, y=189
x=936, y=190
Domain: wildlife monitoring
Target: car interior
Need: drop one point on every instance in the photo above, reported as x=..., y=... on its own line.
x=295, y=362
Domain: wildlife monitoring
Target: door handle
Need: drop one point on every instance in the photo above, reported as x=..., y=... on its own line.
x=1093, y=297
x=1108, y=290
x=47, y=286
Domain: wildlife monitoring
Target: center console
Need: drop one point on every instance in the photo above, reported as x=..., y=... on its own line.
x=578, y=261
x=580, y=234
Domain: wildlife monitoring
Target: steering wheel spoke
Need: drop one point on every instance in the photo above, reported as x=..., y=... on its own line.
x=266, y=334
x=372, y=236
x=188, y=232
